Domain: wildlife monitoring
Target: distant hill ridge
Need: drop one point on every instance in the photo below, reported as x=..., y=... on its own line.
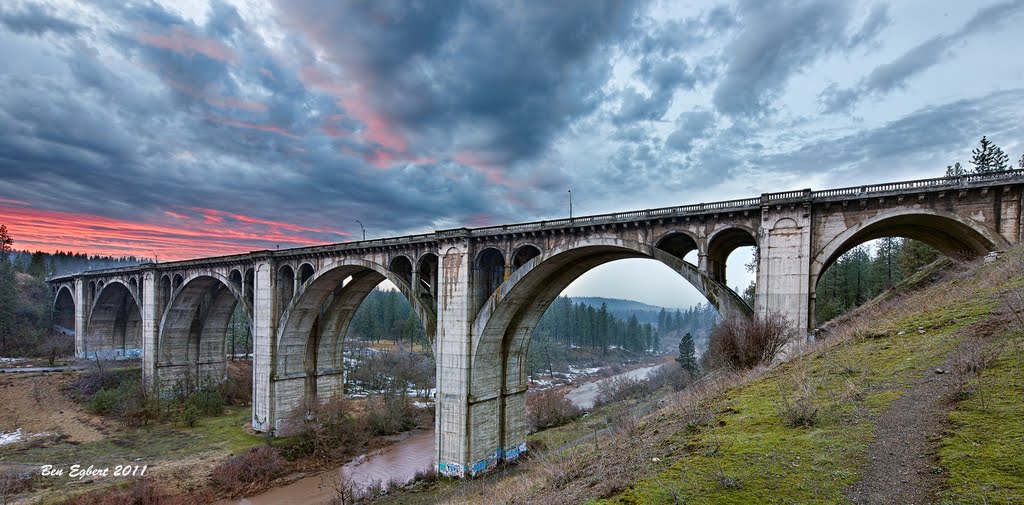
x=618, y=304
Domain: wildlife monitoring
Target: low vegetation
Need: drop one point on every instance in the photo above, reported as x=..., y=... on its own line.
x=800, y=430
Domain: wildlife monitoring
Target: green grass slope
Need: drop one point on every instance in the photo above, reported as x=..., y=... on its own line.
x=799, y=432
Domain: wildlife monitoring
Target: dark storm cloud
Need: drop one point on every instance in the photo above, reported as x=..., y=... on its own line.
x=895, y=74
x=515, y=77
x=779, y=41
x=33, y=19
x=114, y=144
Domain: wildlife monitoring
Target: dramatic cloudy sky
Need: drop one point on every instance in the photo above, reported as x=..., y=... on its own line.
x=193, y=128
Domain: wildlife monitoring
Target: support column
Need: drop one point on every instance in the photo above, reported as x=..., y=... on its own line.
x=150, y=322
x=456, y=428
x=783, y=276
x=264, y=310
x=81, y=316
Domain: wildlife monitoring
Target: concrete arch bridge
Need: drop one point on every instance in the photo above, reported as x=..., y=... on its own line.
x=480, y=292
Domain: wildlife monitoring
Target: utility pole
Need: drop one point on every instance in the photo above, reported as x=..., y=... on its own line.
x=361, y=227
x=570, y=204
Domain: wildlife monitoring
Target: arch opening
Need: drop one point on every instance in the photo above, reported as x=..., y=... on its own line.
x=426, y=289
x=320, y=324
x=285, y=286
x=489, y=270
x=510, y=319
x=115, y=324
x=195, y=329
x=402, y=267
x=524, y=254
x=678, y=244
x=862, y=262
x=721, y=245
x=305, y=273
x=64, y=311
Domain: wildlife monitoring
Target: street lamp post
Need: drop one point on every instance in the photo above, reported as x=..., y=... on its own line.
x=570, y=204
x=361, y=228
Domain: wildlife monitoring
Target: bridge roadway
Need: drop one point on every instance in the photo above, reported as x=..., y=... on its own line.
x=480, y=292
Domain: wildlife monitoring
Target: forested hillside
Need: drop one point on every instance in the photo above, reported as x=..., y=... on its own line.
x=864, y=272
x=41, y=264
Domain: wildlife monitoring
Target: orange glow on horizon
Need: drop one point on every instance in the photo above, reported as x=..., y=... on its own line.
x=174, y=237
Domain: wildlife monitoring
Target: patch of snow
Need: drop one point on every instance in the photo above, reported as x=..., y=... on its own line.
x=10, y=438
x=11, y=360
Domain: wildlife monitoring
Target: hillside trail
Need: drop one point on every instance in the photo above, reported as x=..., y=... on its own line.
x=903, y=465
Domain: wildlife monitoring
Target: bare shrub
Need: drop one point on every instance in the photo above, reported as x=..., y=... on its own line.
x=746, y=343
x=968, y=361
x=325, y=427
x=671, y=375
x=621, y=388
x=547, y=409
x=14, y=482
x=798, y=398
x=391, y=413
x=247, y=472
x=237, y=389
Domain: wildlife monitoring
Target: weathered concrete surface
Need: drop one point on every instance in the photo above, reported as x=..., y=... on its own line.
x=481, y=292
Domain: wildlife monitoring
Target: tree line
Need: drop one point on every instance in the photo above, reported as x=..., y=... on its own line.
x=864, y=272
x=42, y=264
x=26, y=311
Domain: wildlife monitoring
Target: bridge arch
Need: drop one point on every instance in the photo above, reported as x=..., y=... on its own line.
x=401, y=266
x=192, y=335
x=524, y=253
x=953, y=235
x=677, y=243
x=503, y=326
x=115, y=319
x=64, y=308
x=489, y=272
x=722, y=243
x=426, y=269
x=312, y=329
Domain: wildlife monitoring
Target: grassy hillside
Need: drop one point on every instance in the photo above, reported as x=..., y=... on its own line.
x=803, y=431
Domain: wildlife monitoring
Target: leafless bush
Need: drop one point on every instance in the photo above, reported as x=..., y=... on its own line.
x=672, y=375
x=746, y=343
x=248, y=471
x=390, y=413
x=974, y=356
x=547, y=409
x=798, y=397
x=968, y=361
x=237, y=389
x=325, y=427
x=14, y=482
x=621, y=388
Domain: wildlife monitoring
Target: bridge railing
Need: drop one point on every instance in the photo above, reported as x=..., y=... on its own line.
x=918, y=184
x=681, y=210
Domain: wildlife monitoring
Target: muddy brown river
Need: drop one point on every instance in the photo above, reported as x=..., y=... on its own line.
x=397, y=462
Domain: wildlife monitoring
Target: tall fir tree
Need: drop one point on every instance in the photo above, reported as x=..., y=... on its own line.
x=988, y=157
x=687, y=358
x=8, y=291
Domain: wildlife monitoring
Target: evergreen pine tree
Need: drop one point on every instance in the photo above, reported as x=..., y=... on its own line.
x=687, y=358
x=989, y=157
x=955, y=170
